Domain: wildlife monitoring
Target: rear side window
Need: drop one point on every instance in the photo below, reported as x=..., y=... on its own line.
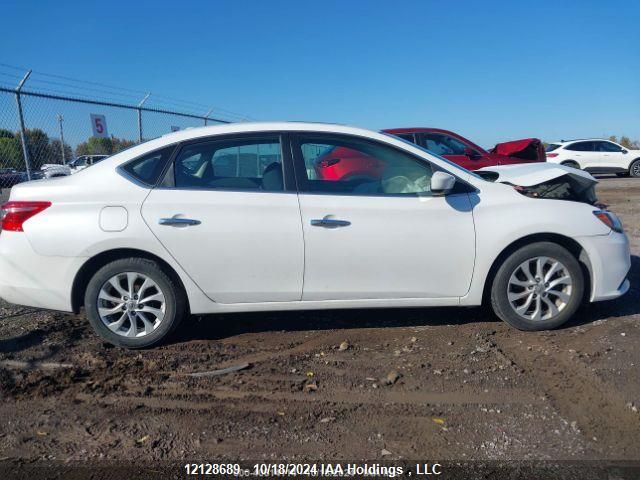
x=580, y=147
x=235, y=164
x=551, y=147
x=148, y=168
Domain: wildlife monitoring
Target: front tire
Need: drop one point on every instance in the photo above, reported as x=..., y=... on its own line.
x=133, y=303
x=538, y=287
x=634, y=168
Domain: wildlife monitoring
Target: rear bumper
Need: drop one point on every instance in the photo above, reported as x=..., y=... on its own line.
x=27, y=278
x=610, y=262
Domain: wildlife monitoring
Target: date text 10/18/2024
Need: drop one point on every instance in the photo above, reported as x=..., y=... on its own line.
x=311, y=469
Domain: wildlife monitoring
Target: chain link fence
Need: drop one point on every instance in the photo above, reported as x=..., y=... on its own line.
x=42, y=127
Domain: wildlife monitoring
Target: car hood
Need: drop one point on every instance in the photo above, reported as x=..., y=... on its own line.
x=530, y=174
x=545, y=180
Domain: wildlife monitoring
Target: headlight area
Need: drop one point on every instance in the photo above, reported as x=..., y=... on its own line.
x=610, y=219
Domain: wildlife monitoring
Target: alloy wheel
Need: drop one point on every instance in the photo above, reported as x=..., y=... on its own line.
x=131, y=304
x=540, y=288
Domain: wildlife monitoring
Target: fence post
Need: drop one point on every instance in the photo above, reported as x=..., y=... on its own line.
x=60, y=119
x=206, y=117
x=140, y=117
x=23, y=133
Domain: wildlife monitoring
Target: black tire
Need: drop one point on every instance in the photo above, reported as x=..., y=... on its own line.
x=174, y=299
x=500, y=286
x=571, y=163
x=634, y=168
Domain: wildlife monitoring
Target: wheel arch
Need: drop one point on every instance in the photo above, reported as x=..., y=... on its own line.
x=98, y=261
x=567, y=242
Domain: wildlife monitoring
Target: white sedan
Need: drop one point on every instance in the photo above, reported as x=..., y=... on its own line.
x=273, y=216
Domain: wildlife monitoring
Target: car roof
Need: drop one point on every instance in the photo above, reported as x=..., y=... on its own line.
x=566, y=142
x=266, y=127
x=417, y=130
x=238, y=127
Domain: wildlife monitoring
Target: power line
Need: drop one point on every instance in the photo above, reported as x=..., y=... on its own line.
x=112, y=90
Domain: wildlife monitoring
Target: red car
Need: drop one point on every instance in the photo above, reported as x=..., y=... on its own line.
x=467, y=154
x=341, y=163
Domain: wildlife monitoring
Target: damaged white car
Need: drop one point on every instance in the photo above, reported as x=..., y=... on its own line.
x=237, y=218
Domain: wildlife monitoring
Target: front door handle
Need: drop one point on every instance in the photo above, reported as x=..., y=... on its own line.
x=329, y=223
x=178, y=222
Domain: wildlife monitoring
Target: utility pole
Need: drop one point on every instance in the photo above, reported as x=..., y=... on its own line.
x=60, y=119
x=23, y=130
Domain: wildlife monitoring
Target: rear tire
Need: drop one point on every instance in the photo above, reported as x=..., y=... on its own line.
x=538, y=287
x=634, y=168
x=133, y=303
x=571, y=163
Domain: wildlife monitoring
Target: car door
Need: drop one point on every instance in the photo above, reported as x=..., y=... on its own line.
x=584, y=153
x=227, y=215
x=383, y=236
x=455, y=150
x=613, y=156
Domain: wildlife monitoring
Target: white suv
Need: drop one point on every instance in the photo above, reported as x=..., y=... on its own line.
x=595, y=156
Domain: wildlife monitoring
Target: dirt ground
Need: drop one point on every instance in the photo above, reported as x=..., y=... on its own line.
x=468, y=386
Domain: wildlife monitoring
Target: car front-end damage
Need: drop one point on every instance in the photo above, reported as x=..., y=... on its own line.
x=545, y=180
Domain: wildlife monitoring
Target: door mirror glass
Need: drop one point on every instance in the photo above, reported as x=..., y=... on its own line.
x=624, y=151
x=442, y=183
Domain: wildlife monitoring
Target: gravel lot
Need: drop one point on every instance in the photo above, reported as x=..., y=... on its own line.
x=380, y=385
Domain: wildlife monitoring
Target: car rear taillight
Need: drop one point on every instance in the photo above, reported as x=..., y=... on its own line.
x=551, y=155
x=14, y=214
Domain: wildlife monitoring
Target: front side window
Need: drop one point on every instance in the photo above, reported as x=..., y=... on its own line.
x=346, y=165
x=580, y=147
x=441, y=144
x=237, y=164
x=607, y=147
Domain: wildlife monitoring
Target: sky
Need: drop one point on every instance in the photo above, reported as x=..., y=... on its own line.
x=490, y=70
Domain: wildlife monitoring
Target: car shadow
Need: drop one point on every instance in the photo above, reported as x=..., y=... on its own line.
x=219, y=326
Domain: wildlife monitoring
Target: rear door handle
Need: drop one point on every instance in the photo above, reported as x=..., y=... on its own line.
x=177, y=222
x=329, y=223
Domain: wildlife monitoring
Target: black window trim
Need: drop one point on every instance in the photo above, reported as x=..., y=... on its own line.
x=592, y=142
x=301, y=175
x=167, y=179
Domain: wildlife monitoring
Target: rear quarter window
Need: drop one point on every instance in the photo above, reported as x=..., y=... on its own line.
x=148, y=168
x=551, y=147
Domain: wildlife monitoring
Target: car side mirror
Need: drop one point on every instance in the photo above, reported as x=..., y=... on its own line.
x=624, y=151
x=471, y=153
x=442, y=183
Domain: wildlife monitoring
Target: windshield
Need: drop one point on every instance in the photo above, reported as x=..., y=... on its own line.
x=449, y=162
x=551, y=147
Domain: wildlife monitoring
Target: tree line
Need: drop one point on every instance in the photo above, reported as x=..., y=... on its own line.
x=42, y=149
